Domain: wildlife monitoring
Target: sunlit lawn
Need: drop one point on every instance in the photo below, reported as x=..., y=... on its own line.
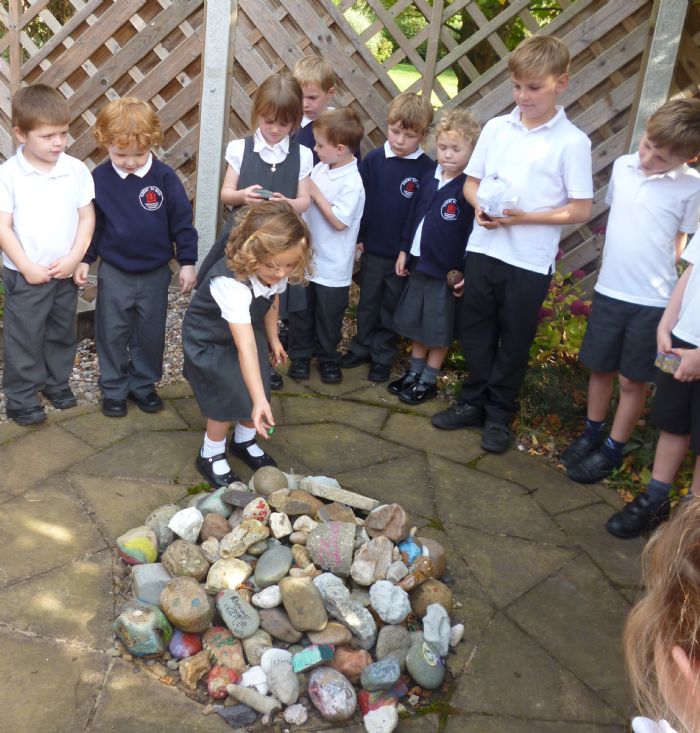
x=403, y=75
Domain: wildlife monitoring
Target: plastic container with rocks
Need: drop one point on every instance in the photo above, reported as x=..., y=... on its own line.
x=495, y=195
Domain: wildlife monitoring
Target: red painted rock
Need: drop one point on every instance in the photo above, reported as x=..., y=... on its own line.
x=218, y=678
x=224, y=649
x=184, y=644
x=350, y=662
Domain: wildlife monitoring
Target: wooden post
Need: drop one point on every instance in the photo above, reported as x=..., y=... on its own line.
x=15, y=12
x=431, y=53
x=666, y=23
x=217, y=61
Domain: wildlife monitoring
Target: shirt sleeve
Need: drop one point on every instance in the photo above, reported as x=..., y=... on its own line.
x=234, y=154
x=476, y=167
x=348, y=204
x=233, y=297
x=86, y=186
x=7, y=199
x=611, y=186
x=306, y=161
x=576, y=168
x=182, y=231
x=691, y=211
x=691, y=253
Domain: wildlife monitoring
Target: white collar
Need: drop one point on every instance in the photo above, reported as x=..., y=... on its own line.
x=305, y=121
x=60, y=168
x=139, y=172
x=645, y=725
x=634, y=162
x=344, y=170
x=514, y=118
x=259, y=143
x=389, y=153
x=259, y=287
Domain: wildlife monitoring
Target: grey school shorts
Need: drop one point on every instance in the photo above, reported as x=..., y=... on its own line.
x=621, y=337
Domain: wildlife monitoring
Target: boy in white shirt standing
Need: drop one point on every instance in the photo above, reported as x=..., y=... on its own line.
x=654, y=202
x=545, y=163
x=338, y=198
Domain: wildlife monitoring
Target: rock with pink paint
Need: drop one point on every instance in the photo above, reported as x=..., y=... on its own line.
x=330, y=545
x=332, y=694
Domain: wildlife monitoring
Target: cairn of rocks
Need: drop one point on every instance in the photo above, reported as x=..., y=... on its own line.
x=269, y=598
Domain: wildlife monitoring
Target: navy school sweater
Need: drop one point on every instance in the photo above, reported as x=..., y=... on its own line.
x=390, y=186
x=448, y=223
x=141, y=223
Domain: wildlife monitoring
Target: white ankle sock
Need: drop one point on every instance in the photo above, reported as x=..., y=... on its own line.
x=213, y=448
x=242, y=434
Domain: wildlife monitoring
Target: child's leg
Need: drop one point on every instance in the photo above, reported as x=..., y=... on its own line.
x=244, y=446
x=629, y=409
x=60, y=339
x=217, y=472
x=371, y=281
x=600, y=389
x=436, y=355
x=301, y=327
x=328, y=320
x=695, y=486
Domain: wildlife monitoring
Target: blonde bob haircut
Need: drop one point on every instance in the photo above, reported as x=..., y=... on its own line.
x=37, y=105
x=676, y=126
x=539, y=56
x=669, y=613
x=279, y=98
x=411, y=112
x=315, y=70
x=460, y=122
x=266, y=230
x=128, y=121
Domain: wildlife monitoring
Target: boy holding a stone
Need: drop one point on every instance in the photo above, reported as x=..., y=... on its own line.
x=542, y=163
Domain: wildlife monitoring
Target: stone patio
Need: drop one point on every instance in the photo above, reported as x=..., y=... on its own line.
x=544, y=590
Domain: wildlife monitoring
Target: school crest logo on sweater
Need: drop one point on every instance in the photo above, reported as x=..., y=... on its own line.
x=408, y=187
x=151, y=198
x=449, y=210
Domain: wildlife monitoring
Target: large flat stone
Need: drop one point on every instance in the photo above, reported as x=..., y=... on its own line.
x=43, y=529
x=353, y=379
x=489, y=724
x=507, y=567
x=404, y=480
x=619, y=559
x=332, y=448
x=47, y=686
x=37, y=455
x=73, y=603
x=512, y=676
x=473, y=499
x=306, y=410
x=91, y=428
x=120, y=504
x=134, y=700
x=461, y=446
x=146, y=455
x=557, y=612
x=551, y=488
x=188, y=409
x=377, y=394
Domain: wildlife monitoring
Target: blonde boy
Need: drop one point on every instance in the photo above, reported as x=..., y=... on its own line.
x=391, y=176
x=46, y=221
x=317, y=81
x=545, y=162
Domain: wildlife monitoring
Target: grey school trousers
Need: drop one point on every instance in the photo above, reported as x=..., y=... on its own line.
x=130, y=329
x=40, y=338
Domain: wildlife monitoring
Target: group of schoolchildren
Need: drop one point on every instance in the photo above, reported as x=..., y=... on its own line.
x=409, y=220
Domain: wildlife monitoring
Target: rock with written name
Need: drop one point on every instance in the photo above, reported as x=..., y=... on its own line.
x=238, y=615
x=331, y=546
x=281, y=677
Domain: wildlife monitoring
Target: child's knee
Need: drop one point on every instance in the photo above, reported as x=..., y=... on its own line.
x=630, y=386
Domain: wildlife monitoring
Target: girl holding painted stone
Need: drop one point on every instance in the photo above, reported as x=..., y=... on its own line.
x=229, y=327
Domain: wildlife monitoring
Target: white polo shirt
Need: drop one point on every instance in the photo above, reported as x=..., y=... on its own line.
x=333, y=250
x=546, y=167
x=646, y=213
x=688, y=325
x=44, y=206
x=234, y=297
x=270, y=154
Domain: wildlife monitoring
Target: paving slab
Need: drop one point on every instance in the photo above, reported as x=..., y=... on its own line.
x=308, y=410
x=489, y=724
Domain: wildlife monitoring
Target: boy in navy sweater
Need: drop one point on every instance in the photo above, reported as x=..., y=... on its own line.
x=317, y=81
x=391, y=176
x=144, y=219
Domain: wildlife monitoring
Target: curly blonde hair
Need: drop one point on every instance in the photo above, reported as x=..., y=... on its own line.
x=265, y=230
x=128, y=121
x=669, y=613
x=458, y=121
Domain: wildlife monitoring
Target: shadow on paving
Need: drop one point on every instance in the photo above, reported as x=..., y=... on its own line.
x=541, y=588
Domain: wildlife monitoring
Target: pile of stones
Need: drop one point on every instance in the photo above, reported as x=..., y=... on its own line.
x=276, y=596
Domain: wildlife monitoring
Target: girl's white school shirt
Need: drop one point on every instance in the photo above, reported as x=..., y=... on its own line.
x=644, y=725
x=270, y=154
x=234, y=297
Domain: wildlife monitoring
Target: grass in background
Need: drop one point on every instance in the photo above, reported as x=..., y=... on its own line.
x=403, y=75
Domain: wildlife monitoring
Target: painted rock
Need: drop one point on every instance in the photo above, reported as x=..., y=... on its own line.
x=187, y=605
x=247, y=533
x=184, y=558
x=276, y=622
x=143, y=629
x=312, y=656
x=256, y=645
x=272, y=566
x=331, y=546
x=227, y=574
x=436, y=552
x=137, y=546
x=436, y=628
x=214, y=525
x=214, y=504
x=381, y=675
x=268, y=479
x=256, y=677
x=218, y=678
x=281, y=678
x=238, y=615
x=425, y=665
x=280, y=526
x=187, y=523
x=148, y=581
x=372, y=561
x=431, y=591
x=158, y=521
x=350, y=662
x=333, y=633
x=332, y=694
x=382, y=720
x=223, y=648
x=258, y=509
x=409, y=550
x=389, y=520
x=303, y=603
x=184, y=644
x=389, y=601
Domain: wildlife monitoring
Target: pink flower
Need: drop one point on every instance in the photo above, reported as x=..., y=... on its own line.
x=578, y=274
x=580, y=308
x=544, y=313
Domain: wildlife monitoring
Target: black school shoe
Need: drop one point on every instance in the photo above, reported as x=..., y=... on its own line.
x=276, y=381
x=460, y=415
x=350, y=360
x=300, y=368
x=408, y=379
x=113, y=408
x=27, y=415
x=64, y=399
x=150, y=403
x=640, y=516
x=591, y=468
x=206, y=467
x=240, y=450
x=379, y=372
x=585, y=444
x=417, y=393
x=330, y=372
x=496, y=437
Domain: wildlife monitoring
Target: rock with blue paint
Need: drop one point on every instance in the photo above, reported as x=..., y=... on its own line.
x=143, y=629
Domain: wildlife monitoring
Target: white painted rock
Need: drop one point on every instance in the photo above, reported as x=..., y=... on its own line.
x=281, y=677
x=391, y=603
x=187, y=523
x=436, y=628
x=456, y=634
x=280, y=525
x=255, y=677
x=269, y=597
x=382, y=720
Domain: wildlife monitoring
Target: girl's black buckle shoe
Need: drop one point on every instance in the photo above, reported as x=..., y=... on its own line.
x=206, y=467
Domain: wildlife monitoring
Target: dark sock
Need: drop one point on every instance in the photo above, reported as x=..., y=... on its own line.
x=417, y=365
x=593, y=427
x=658, y=490
x=429, y=375
x=612, y=449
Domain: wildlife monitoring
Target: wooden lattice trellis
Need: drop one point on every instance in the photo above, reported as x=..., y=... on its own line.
x=100, y=49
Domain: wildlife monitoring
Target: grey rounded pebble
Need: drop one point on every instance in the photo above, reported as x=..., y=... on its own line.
x=272, y=566
x=425, y=665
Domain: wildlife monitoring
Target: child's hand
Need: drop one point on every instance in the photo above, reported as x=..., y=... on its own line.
x=400, y=267
x=62, y=268
x=485, y=220
x=36, y=274
x=187, y=278
x=689, y=368
x=249, y=195
x=262, y=418
x=359, y=250
x=663, y=340
x=458, y=289
x=80, y=273
x=279, y=355
x=513, y=216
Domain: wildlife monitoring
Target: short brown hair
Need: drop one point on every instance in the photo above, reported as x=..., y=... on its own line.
x=676, y=126
x=461, y=122
x=267, y=229
x=340, y=127
x=538, y=55
x=280, y=98
x=410, y=111
x=128, y=121
x=315, y=70
x=36, y=105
